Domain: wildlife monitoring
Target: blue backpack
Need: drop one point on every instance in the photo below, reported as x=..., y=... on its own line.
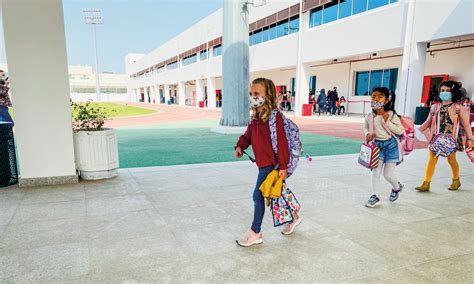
x=292, y=135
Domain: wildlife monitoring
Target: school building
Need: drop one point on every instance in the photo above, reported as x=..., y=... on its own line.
x=82, y=85
x=355, y=45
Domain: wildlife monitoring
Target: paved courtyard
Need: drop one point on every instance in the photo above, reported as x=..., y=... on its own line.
x=178, y=224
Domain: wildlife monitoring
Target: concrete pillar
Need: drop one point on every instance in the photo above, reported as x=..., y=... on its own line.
x=40, y=86
x=167, y=93
x=302, y=70
x=211, y=92
x=235, y=64
x=413, y=69
x=199, y=91
x=181, y=93
x=302, y=88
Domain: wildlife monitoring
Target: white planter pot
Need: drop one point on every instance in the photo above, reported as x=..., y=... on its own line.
x=96, y=154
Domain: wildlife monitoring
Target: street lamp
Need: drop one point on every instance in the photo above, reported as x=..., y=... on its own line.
x=93, y=17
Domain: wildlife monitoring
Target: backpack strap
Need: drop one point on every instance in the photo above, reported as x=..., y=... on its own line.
x=371, y=119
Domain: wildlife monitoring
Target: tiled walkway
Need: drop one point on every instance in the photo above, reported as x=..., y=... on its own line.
x=178, y=224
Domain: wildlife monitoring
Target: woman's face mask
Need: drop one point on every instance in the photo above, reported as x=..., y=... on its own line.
x=445, y=96
x=376, y=105
x=256, y=101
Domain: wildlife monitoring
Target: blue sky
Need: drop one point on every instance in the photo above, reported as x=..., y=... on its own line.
x=130, y=26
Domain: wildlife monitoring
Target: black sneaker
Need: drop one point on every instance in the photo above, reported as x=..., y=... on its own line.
x=373, y=201
x=395, y=193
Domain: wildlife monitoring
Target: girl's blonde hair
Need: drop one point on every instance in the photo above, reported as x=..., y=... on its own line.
x=271, y=101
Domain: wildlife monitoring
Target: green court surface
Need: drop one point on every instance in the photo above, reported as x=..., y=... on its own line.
x=162, y=146
x=122, y=110
x=116, y=110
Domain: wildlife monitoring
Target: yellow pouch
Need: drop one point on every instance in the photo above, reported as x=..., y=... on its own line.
x=271, y=186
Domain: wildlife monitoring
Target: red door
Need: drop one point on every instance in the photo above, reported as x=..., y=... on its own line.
x=428, y=82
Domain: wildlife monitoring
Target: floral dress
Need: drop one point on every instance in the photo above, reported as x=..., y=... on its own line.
x=447, y=126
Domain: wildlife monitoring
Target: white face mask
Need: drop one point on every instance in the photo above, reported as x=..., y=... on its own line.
x=256, y=101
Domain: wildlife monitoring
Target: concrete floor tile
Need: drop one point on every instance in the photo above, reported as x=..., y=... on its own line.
x=49, y=263
x=112, y=205
x=125, y=224
x=450, y=231
x=108, y=255
x=451, y=270
x=44, y=233
x=53, y=194
x=28, y=213
x=109, y=190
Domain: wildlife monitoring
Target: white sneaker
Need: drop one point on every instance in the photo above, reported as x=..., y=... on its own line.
x=250, y=238
x=289, y=228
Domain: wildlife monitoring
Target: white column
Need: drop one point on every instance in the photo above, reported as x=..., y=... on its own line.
x=211, y=92
x=40, y=86
x=413, y=69
x=167, y=93
x=181, y=93
x=302, y=70
x=302, y=88
x=137, y=95
x=199, y=91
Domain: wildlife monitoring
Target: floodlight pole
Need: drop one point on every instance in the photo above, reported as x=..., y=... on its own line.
x=93, y=17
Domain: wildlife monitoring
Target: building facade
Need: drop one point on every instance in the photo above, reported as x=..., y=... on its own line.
x=408, y=46
x=82, y=84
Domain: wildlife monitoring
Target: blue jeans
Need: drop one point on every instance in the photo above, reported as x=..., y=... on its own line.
x=388, y=150
x=259, y=200
x=332, y=107
x=4, y=115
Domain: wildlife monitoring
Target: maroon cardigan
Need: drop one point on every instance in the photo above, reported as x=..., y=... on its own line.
x=258, y=135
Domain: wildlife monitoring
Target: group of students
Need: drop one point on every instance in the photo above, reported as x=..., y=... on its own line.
x=329, y=104
x=387, y=125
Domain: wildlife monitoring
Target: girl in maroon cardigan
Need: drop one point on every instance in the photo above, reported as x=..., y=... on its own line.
x=263, y=100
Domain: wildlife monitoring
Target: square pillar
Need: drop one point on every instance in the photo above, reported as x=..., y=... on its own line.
x=199, y=91
x=211, y=92
x=181, y=94
x=167, y=93
x=40, y=86
x=302, y=88
x=411, y=86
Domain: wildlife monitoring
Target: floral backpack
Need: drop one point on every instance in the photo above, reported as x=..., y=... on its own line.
x=443, y=144
x=292, y=135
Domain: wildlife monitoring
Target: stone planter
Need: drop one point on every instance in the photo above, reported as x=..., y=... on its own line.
x=96, y=154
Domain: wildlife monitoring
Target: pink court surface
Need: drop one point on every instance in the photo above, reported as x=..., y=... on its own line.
x=341, y=127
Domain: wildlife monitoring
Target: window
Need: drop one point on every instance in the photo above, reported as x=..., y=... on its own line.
x=362, y=84
x=172, y=66
x=190, y=59
x=359, y=6
x=330, y=12
x=251, y=39
x=312, y=84
x=282, y=28
x=265, y=34
x=377, y=3
x=294, y=25
x=375, y=79
x=203, y=55
x=390, y=78
x=272, y=32
x=345, y=8
x=217, y=50
x=316, y=17
x=366, y=81
x=257, y=37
